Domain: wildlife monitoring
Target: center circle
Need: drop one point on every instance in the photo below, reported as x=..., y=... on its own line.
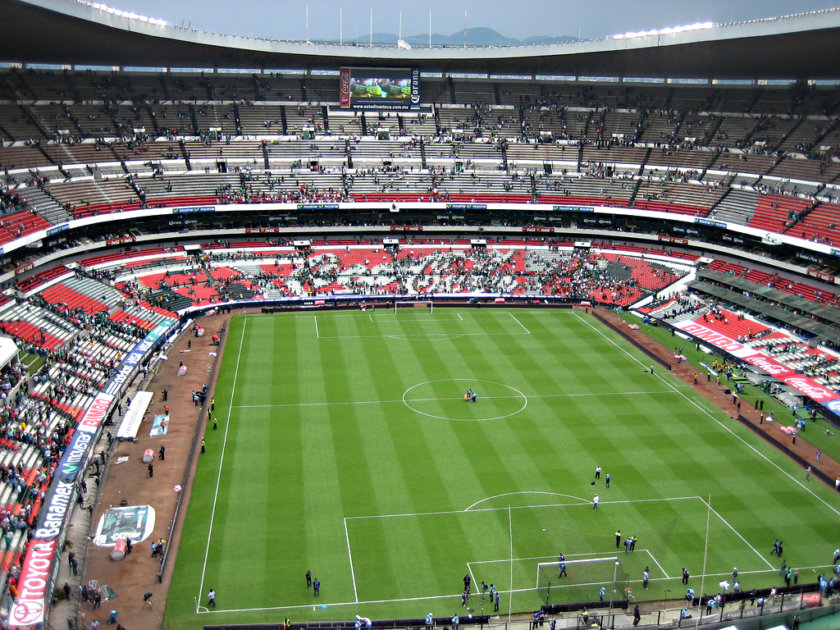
x=444, y=399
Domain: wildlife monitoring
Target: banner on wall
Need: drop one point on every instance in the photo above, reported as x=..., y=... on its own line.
x=804, y=385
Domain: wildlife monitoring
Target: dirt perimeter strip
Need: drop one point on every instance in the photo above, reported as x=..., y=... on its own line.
x=130, y=479
x=799, y=450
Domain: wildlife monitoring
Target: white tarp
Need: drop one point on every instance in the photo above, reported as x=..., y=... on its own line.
x=134, y=416
x=134, y=521
x=8, y=351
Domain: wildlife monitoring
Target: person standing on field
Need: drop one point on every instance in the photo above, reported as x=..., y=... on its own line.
x=595, y=501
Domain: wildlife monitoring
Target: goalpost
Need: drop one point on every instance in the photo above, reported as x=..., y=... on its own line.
x=426, y=305
x=582, y=579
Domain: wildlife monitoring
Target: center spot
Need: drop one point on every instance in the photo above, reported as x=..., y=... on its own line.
x=444, y=399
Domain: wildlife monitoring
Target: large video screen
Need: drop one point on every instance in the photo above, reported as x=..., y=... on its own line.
x=380, y=88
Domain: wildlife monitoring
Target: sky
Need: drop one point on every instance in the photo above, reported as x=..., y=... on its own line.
x=286, y=20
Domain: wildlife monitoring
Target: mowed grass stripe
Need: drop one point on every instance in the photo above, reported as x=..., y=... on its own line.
x=401, y=490
x=332, y=471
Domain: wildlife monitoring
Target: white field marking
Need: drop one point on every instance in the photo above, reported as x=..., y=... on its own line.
x=350, y=556
x=519, y=395
x=317, y=335
x=527, y=332
x=202, y=610
x=656, y=562
x=370, y=317
x=508, y=494
x=568, y=555
x=804, y=487
x=580, y=503
x=424, y=318
x=619, y=502
x=439, y=335
x=737, y=533
x=221, y=462
x=452, y=596
x=391, y=402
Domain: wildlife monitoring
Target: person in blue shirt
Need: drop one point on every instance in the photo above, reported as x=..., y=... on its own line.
x=601, y=592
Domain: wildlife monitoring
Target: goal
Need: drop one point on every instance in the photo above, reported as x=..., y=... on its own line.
x=582, y=580
x=426, y=305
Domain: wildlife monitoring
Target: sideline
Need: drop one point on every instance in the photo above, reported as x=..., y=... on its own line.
x=706, y=412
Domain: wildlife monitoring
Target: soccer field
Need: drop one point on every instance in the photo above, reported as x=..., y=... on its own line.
x=345, y=447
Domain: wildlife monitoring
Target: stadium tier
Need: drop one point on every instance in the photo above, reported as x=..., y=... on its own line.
x=138, y=208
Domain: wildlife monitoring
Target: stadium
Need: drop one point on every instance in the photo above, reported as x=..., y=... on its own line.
x=319, y=335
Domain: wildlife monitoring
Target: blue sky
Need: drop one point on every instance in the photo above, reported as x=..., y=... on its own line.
x=284, y=19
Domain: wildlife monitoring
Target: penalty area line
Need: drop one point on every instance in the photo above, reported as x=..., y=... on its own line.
x=521, y=325
x=656, y=562
x=350, y=556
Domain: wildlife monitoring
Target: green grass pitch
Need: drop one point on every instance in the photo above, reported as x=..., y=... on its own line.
x=345, y=446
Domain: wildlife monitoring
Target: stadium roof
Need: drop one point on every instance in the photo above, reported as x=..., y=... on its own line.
x=73, y=32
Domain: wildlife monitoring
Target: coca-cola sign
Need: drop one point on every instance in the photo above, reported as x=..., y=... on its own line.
x=810, y=388
x=344, y=87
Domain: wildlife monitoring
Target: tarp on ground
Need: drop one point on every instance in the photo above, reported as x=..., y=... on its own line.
x=8, y=351
x=133, y=521
x=134, y=416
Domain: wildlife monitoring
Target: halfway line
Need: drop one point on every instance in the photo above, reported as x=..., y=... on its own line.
x=443, y=398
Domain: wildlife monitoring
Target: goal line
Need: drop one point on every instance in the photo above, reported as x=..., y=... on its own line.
x=605, y=572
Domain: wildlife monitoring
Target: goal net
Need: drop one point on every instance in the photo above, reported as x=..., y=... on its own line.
x=426, y=306
x=581, y=580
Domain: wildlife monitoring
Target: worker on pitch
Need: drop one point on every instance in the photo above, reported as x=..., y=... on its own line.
x=470, y=396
